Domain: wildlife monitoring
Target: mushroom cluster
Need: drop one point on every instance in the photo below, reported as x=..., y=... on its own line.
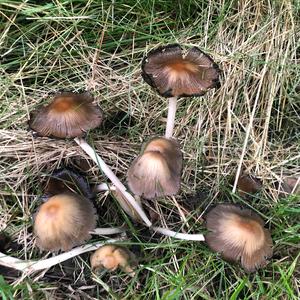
x=67, y=216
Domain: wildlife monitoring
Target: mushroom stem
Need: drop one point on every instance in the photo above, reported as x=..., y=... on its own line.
x=114, y=179
x=171, y=117
x=32, y=265
x=108, y=231
x=178, y=235
x=103, y=187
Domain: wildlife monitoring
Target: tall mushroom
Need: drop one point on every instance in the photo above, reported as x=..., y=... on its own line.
x=71, y=115
x=239, y=235
x=175, y=73
x=156, y=172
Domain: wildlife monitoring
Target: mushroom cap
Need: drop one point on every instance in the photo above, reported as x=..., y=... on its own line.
x=239, y=235
x=173, y=73
x=66, y=181
x=110, y=257
x=289, y=185
x=248, y=184
x=64, y=221
x=68, y=115
x=156, y=172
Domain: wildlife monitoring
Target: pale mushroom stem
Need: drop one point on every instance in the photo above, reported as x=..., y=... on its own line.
x=167, y=232
x=179, y=235
x=32, y=265
x=108, y=231
x=114, y=179
x=103, y=187
x=171, y=117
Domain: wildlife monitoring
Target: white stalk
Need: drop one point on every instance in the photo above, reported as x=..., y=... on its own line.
x=108, y=231
x=178, y=235
x=171, y=117
x=32, y=265
x=103, y=187
x=114, y=179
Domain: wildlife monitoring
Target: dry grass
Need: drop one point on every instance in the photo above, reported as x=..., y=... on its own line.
x=251, y=123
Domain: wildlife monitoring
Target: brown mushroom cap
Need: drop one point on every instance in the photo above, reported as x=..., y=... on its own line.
x=156, y=172
x=64, y=221
x=66, y=181
x=68, y=115
x=110, y=257
x=289, y=185
x=248, y=184
x=173, y=73
x=239, y=235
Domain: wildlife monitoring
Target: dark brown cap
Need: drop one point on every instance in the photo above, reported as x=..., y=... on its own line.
x=66, y=181
x=157, y=171
x=68, y=115
x=239, y=235
x=173, y=73
x=64, y=221
x=248, y=184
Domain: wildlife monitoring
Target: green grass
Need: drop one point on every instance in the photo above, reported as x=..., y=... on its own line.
x=48, y=46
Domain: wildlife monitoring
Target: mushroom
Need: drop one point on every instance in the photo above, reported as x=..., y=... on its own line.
x=288, y=185
x=71, y=115
x=248, y=184
x=64, y=221
x=173, y=74
x=156, y=172
x=110, y=257
x=238, y=234
x=66, y=180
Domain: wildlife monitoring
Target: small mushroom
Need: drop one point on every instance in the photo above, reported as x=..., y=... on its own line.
x=173, y=73
x=66, y=180
x=289, y=185
x=71, y=115
x=64, y=221
x=111, y=257
x=156, y=172
x=68, y=115
x=238, y=234
x=248, y=184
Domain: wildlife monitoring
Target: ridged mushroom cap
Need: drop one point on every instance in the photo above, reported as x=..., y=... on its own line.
x=156, y=172
x=175, y=73
x=239, y=235
x=64, y=221
x=69, y=115
x=110, y=257
x=66, y=181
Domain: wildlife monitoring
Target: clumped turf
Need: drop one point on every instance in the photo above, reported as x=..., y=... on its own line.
x=251, y=123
